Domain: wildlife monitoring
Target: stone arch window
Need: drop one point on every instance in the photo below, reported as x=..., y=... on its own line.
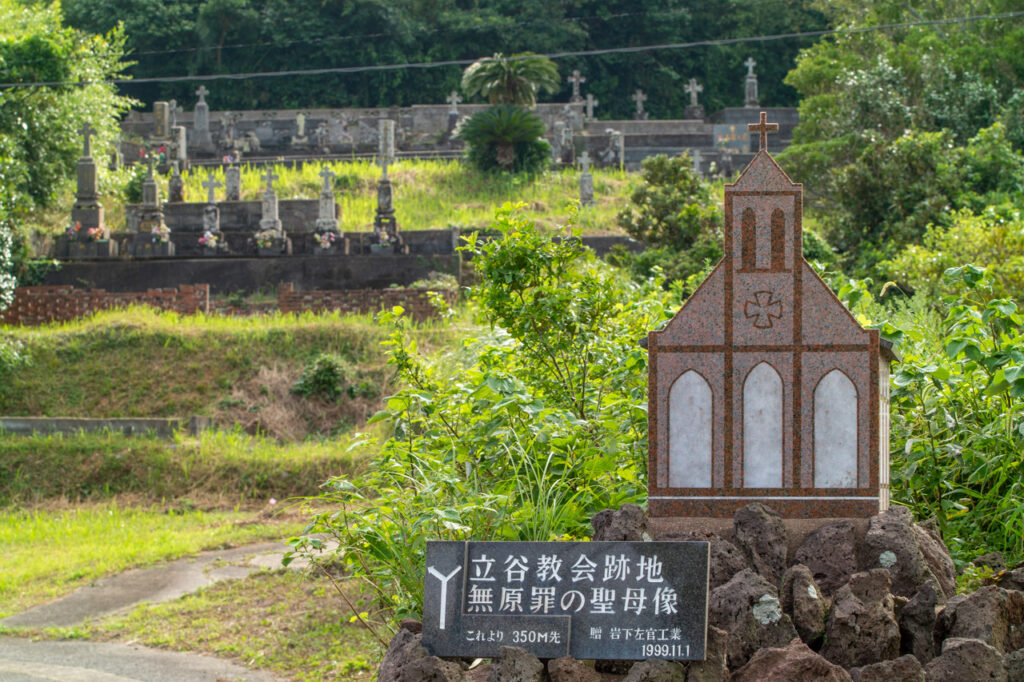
x=778, y=224
x=689, y=432
x=748, y=244
x=762, y=428
x=835, y=432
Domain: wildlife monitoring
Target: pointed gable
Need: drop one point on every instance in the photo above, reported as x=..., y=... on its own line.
x=825, y=319
x=700, y=321
x=762, y=174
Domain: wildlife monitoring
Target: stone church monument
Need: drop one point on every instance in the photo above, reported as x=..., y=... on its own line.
x=763, y=387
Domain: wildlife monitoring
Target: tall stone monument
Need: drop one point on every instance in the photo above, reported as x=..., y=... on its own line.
x=175, y=185
x=201, y=138
x=161, y=121
x=212, y=240
x=763, y=387
x=750, y=98
x=232, y=183
x=576, y=79
x=271, y=239
x=327, y=236
x=88, y=235
x=153, y=238
x=586, y=181
x=384, y=223
x=591, y=103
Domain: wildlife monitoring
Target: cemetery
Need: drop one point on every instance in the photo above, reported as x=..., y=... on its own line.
x=419, y=342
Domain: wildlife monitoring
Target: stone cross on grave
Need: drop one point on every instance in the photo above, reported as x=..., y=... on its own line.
x=269, y=178
x=639, y=97
x=202, y=92
x=211, y=184
x=585, y=161
x=693, y=88
x=327, y=174
x=576, y=79
x=386, y=136
x=750, y=64
x=87, y=131
x=591, y=103
x=149, y=162
x=763, y=128
x=454, y=100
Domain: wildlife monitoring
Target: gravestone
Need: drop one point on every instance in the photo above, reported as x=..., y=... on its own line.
x=639, y=97
x=576, y=79
x=694, y=111
x=750, y=98
x=586, y=181
x=179, y=146
x=201, y=122
x=615, y=152
x=153, y=238
x=161, y=121
x=763, y=388
x=212, y=241
x=328, y=238
x=589, y=600
x=300, y=139
x=232, y=183
x=175, y=185
x=88, y=235
x=557, y=135
x=322, y=138
x=591, y=103
x=454, y=100
x=385, y=226
x=271, y=239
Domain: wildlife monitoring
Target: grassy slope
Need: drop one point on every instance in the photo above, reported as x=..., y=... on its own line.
x=140, y=363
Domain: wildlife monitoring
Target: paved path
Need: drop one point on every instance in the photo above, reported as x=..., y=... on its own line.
x=22, y=660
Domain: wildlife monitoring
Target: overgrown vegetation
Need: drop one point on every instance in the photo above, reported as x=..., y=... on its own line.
x=505, y=138
x=522, y=433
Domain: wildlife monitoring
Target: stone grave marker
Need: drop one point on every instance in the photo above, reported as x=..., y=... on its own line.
x=88, y=235
x=589, y=600
x=591, y=103
x=558, y=133
x=201, y=122
x=750, y=98
x=328, y=238
x=153, y=238
x=763, y=387
x=271, y=239
x=161, y=120
x=232, y=183
x=210, y=184
x=454, y=100
x=586, y=181
x=175, y=185
x=694, y=111
x=576, y=79
x=639, y=97
x=385, y=225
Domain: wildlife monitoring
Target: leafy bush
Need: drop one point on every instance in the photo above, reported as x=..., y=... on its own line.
x=959, y=418
x=133, y=187
x=7, y=280
x=505, y=138
x=994, y=239
x=523, y=433
x=324, y=377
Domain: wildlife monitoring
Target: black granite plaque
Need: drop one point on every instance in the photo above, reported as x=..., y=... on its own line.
x=589, y=600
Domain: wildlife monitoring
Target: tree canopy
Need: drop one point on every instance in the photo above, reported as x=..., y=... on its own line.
x=193, y=37
x=517, y=79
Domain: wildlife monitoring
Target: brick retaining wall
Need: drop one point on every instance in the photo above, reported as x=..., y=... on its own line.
x=38, y=305
x=416, y=302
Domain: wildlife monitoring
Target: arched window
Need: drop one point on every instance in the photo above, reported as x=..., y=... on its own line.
x=835, y=432
x=762, y=428
x=778, y=240
x=689, y=432
x=749, y=240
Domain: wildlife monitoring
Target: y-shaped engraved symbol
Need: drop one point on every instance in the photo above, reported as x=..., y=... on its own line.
x=763, y=308
x=444, y=590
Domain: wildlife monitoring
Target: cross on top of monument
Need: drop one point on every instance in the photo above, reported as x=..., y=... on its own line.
x=693, y=88
x=327, y=174
x=591, y=103
x=210, y=184
x=639, y=97
x=750, y=64
x=576, y=79
x=269, y=177
x=763, y=128
x=202, y=92
x=454, y=99
x=585, y=161
x=87, y=131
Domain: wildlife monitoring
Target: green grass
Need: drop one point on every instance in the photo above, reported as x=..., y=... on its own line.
x=142, y=363
x=428, y=195
x=225, y=467
x=45, y=554
x=295, y=626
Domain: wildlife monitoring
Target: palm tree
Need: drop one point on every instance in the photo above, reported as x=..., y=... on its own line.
x=511, y=80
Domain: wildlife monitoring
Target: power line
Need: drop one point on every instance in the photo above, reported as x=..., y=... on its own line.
x=555, y=55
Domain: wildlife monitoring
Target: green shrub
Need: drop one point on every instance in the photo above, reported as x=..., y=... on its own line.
x=505, y=138
x=958, y=417
x=325, y=377
x=523, y=433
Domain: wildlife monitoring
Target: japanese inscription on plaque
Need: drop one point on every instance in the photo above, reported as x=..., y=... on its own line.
x=590, y=600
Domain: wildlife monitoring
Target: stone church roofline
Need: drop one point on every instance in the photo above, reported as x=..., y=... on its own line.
x=763, y=174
